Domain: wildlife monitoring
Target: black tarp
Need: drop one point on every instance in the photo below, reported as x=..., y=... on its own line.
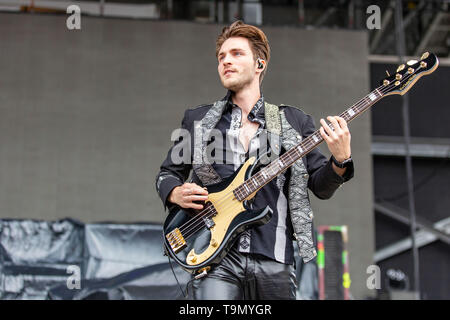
x=115, y=261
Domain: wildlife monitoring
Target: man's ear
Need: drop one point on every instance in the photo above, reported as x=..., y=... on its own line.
x=261, y=63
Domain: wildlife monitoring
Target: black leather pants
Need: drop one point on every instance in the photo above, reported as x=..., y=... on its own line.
x=246, y=276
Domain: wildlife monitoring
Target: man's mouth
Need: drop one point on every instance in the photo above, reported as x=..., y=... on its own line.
x=228, y=72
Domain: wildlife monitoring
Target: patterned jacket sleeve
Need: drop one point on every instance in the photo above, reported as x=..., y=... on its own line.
x=172, y=173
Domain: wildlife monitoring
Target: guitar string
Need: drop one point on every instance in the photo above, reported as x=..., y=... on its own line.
x=273, y=169
x=211, y=210
x=290, y=156
x=195, y=222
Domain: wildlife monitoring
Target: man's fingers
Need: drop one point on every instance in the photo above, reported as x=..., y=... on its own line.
x=324, y=135
x=196, y=198
x=193, y=205
x=187, y=193
x=191, y=189
x=327, y=129
x=196, y=189
x=336, y=125
x=342, y=123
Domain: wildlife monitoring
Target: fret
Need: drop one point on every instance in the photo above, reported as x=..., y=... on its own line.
x=316, y=139
x=360, y=106
x=261, y=180
x=351, y=112
x=363, y=103
x=364, y=106
x=271, y=170
x=256, y=178
x=287, y=157
x=379, y=93
x=264, y=173
x=356, y=107
x=294, y=155
x=236, y=193
x=345, y=115
x=254, y=183
x=275, y=169
x=372, y=96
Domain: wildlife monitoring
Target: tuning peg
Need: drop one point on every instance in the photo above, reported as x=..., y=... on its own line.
x=424, y=55
x=400, y=67
x=423, y=64
x=411, y=62
x=410, y=70
x=386, y=82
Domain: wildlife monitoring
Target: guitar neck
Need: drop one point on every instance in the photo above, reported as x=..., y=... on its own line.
x=308, y=144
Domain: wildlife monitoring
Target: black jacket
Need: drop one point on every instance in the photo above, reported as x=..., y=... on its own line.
x=323, y=180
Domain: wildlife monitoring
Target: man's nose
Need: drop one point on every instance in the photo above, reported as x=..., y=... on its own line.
x=226, y=60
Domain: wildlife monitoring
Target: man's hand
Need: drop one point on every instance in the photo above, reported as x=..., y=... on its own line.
x=338, y=141
x=186, y=194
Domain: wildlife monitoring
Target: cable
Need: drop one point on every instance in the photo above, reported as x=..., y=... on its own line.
x=173, y=271
x=185, y=295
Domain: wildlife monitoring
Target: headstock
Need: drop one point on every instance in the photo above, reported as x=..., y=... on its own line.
x=407, y=74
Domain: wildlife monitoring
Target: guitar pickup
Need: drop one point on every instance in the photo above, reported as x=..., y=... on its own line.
x=209, y=223
x=176, y=240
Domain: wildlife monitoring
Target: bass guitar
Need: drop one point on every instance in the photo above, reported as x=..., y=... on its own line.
x=198, y=242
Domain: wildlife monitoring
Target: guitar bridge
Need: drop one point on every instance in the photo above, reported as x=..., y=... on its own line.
x=176, y=240
x=209, y=223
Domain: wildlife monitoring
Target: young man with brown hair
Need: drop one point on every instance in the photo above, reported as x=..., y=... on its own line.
x=260, y=265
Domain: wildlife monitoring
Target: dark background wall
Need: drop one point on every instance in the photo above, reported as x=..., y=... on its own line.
x=86, y=116
x=429, y=104
x=429, y=114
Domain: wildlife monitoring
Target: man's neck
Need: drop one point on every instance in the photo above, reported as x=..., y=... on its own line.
x=246, y=98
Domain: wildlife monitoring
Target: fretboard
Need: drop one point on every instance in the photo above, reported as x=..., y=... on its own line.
x=308, y=144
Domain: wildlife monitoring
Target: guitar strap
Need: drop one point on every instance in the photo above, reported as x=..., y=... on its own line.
x=299, y=204
x=202, y=129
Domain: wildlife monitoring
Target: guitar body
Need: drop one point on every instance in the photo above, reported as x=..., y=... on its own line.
x=209, y=244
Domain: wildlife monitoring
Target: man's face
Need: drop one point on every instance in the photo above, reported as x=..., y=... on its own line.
x=237, y=67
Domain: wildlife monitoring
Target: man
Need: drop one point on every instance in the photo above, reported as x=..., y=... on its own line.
x=260, y=265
